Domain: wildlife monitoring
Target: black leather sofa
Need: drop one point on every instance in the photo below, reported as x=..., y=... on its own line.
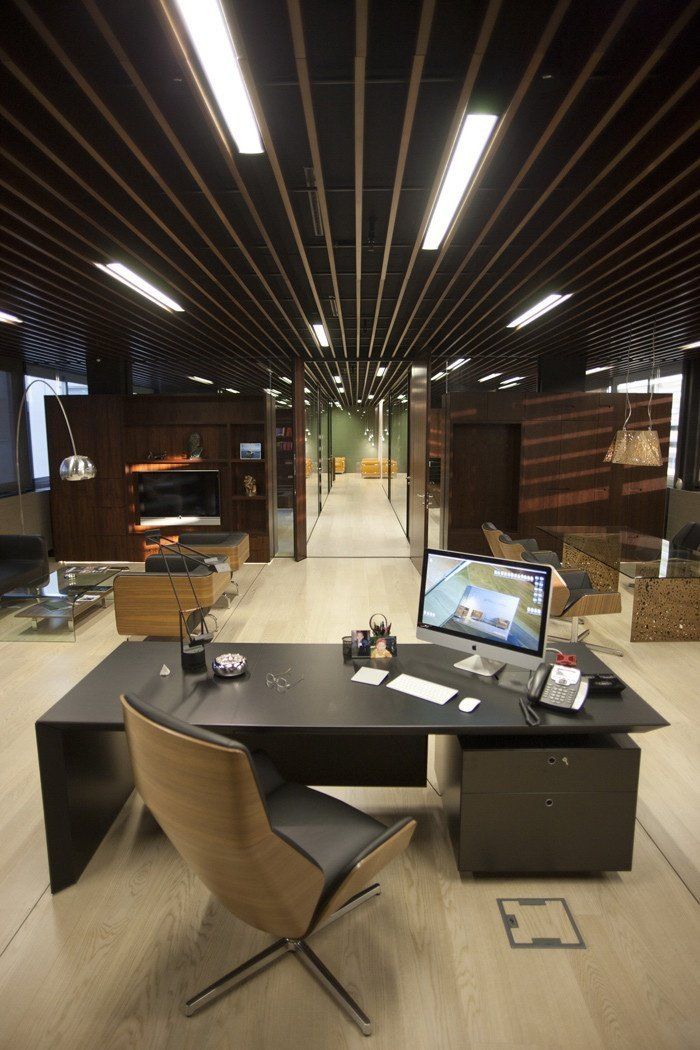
x=23, y=559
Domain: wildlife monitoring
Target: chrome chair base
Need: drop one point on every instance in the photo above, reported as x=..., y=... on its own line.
x=305, y=955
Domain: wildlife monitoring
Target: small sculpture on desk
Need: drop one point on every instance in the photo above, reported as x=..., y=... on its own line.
x=249, y=485
x=195, y=448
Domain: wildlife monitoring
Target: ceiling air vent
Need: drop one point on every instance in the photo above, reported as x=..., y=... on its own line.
x=311, y=193
x=333, y=305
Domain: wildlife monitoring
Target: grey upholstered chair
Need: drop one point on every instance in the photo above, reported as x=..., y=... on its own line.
x=282, y=857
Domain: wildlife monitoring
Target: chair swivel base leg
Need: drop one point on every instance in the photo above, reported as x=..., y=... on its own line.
x=275, y=951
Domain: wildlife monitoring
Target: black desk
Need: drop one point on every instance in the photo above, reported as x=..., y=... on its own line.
x=325, y=730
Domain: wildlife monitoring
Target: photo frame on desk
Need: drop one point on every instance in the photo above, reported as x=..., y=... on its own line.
x=361, y=648
x=383, y=647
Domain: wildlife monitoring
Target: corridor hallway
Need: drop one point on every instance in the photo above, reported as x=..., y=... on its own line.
x=357, y=521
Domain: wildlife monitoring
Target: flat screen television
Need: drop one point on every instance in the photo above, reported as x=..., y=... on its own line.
x=178, y=497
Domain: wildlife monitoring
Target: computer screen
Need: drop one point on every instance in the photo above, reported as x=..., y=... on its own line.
x=474, y=599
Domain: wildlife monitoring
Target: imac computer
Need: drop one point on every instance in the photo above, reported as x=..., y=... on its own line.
x=496, y=610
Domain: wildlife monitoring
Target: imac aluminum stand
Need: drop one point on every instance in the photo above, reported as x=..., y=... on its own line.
x=481, y=666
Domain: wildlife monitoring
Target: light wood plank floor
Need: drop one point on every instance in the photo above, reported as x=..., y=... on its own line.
x=105, y=964
x=357, y=521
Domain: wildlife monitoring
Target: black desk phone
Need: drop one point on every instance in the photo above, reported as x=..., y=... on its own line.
x=557, y=686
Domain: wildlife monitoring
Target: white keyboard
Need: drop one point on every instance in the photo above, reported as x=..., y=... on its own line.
x=436, y=694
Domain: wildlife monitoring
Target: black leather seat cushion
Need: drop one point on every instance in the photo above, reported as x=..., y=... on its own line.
x=326, y=829
x=581, y=592
x=577, y=580
x=177, y=563
x=212, y=539
x=19, y=573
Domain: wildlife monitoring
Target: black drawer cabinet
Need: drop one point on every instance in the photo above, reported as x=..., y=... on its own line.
x=539, y=804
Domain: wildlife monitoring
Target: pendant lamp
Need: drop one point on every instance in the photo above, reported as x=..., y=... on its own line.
x=637, y=448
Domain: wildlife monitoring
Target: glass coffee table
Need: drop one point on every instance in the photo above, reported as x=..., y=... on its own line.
x=666, y=579
x=47, y=609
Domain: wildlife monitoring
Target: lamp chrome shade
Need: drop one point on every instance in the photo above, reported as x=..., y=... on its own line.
x=77, y=468
x=635, y=448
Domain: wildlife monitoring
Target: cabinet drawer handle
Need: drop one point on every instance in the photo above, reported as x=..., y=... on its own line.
x=551, y=760
x=549, y=802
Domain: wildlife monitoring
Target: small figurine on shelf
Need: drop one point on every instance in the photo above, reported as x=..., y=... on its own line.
x=249, y=485
x=195, y=448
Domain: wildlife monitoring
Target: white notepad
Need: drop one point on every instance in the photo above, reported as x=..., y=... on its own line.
x=369, y=676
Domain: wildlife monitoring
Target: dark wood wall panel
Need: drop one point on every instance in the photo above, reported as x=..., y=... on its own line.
x=98, y=519
x=562, y=479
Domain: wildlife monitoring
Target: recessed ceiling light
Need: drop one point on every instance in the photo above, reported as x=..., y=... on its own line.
x=306, y=401
x=320, y=333
x=212, y=40
x=600, y=368
x=691, y=346
x=230, y=390
x=198, y=379
x=9, y=318
x=341, y=390
x=337, y=379
x=306, y=390
x=458, y=363
x=284, y=379
x=359, y=400
x=491, y=375
x=439, y=375
x=370, y=397
x=543, y=307
x=337, y=404
x=145, y=288
x=381, y=370
x=471, y=142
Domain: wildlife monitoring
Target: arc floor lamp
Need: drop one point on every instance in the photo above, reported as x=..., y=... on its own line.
x=73, y=468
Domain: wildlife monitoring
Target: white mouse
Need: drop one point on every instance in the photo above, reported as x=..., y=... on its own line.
x=469, y=704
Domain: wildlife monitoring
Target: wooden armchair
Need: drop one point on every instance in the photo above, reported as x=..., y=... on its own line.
x=572, y=595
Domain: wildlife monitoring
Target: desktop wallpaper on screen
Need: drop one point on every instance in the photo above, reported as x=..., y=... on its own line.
x=495, y=603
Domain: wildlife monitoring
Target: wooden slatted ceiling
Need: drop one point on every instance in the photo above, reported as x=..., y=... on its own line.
x=111, y=149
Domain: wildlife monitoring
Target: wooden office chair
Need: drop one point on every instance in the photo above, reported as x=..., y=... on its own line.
x=573, y=597
x=284, y=858
x=491, y=534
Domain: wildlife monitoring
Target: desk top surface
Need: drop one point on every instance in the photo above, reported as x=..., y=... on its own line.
x=326, y=700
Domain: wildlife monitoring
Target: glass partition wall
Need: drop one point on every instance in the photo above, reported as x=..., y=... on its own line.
x=396, y=411
x=312, y=465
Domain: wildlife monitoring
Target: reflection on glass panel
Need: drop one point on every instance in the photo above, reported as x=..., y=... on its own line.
x=312, y=492
x=37, y=422
x=398, y=449
x=324, y=450
x=383, y=426
x=285, y=482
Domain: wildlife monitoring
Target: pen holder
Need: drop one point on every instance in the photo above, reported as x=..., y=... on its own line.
x=347, y=647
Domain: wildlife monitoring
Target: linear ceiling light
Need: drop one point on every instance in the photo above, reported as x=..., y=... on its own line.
x=271, y=390
x=198, y=379
x=471, y=143
x=284, y=379
x=9, y=318
x=370, y=397
x=513, y=379
x=600, y=368
x=320, y=333
x=458, y=363
x=491, y=375
x=132, y=280
x=439, y=375
x=212, y=40
x=543, y=307
x=337, y=379
x=381, y=370
x=691, y=346
x=508, y=386
x=337, y=404
x=230, y=390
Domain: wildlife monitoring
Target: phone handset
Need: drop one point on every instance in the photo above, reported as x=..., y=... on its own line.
x=557, y=686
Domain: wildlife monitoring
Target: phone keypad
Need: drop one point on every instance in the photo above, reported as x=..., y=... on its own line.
x=561, y=695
